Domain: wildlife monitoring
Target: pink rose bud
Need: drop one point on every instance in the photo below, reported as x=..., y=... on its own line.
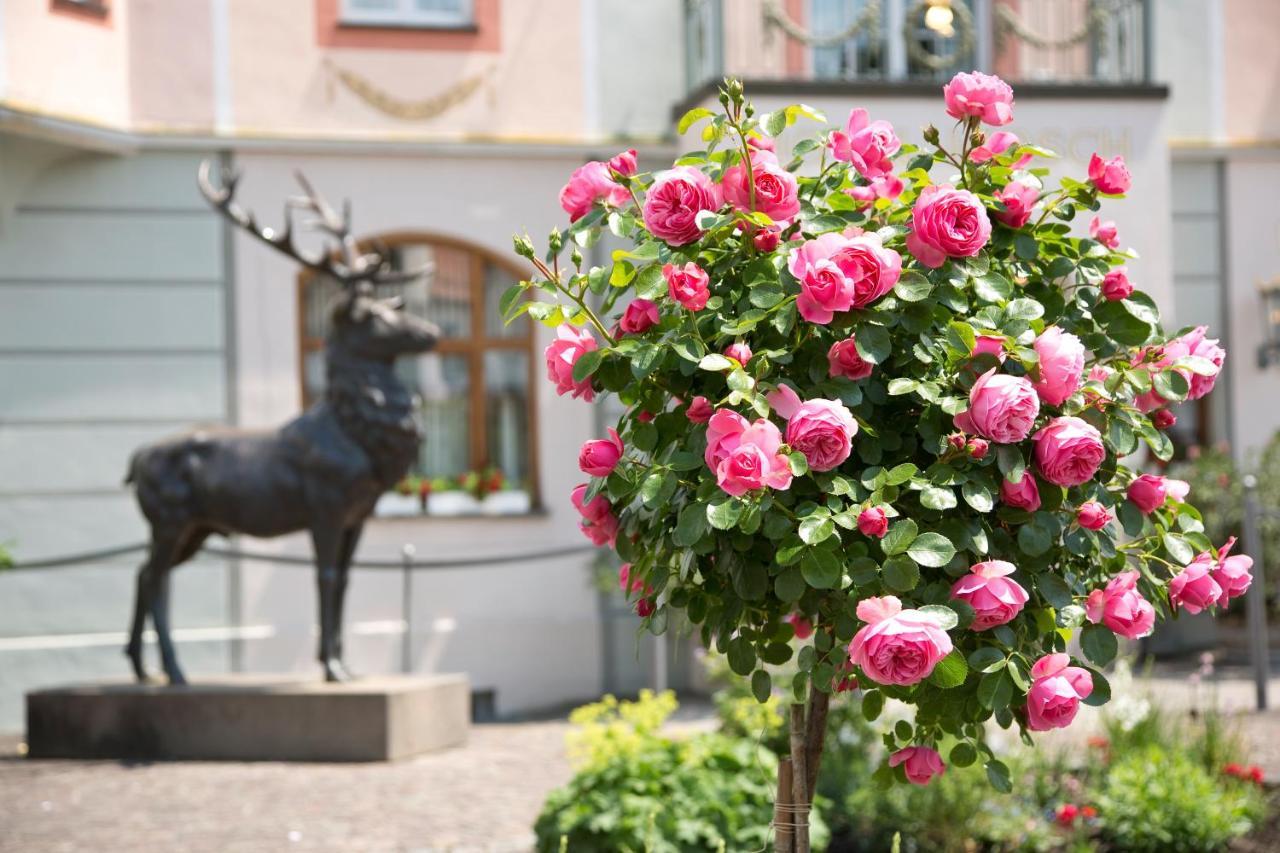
x=673, y=202
x=688, y=285
x=1024, y=494
x=977, y=448
x=887, y=186
x=1092, y=515
x=1061, y=365
x=822, y=430
x=629, y=584
x=983, y=96
x=639, y=317
x=1105, y=233
x=989, y=345
x=1194, y=588
x=645, y=608
x=1002, y=408
x=739, y=352
x=1232, y=574
x=645, y=417
x=995, y=599
x=921, y=763
x=803, y=627
x=1115, y=285
x=837, y=273
x=897, y=646
x=598, y=524
x=1148, y=493
x=947, y=223
x=1056, y=691
x=844, y=680
x=1019, y=200
x=873, y=522
x=1163, y=418
x=699, y=411
x=562, y=353
x=589, y=183
x=777, y=195
x=957, y=441
x=995, y=145
x=1121, y=607
x=1109, y=176
x=843, y=360
x=866, y=145
x=1068, y=451
x=600, y=456
x=624, y=163
x=766, y=239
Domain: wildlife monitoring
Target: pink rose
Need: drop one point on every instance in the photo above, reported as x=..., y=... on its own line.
x=1148, y=493
x=1061, y=365
x=598, y=521
x=562, y=353
x=1002, y=408
x=624, y=163
x=1200, y=347
x=1193, y=343
x=803, y=627
x=699, y=411
x=629, y=584
x=837, y=273
x=984, y=96
x=995, y=598
x=591, y=182
x=1109, y=176
x=995, y=145
x=1092, y=515
x=673, y=202
x=989, y=345
x=920, y=763
x=1024, y=494
x=688, y=285
x=1115, y=284
x=947, y=223
x=639, y=317
x=1056, y=691
x=1121, y=607
x=1163, y=419
x=1068, y=451
x=843, y=360
x=755, y=462
x=1105, y=233
x=897, y=646
x=1194, y=589
x=1018, y=199
x=872, y=521
x=724, y=430
x=1232, y=573
x=644, y=417
x=886, y=186
x=777, y=193
x=739, y=352
x=600, y=456
x=645, y=608
x=867, y=145
x=822, y=430
x=767, y=239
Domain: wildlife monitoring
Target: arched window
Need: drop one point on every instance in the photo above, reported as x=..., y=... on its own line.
x=475, y=388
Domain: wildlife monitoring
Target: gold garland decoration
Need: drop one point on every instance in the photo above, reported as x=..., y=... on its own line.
x=388, y=104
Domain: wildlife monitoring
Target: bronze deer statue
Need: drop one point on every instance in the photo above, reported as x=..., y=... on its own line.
x=321, y=472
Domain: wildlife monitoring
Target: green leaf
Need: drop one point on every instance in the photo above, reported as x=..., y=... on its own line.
x=658, y=488
x=586, y=364
x=775, y=122
x=963, y=754
x=724, y=514
x=932, y=549
x=1099, y=644
x=815, y=529
x=761, y=685
x=898, y=387
x=691, y=525
x=943, y=615
x=872, y=343
x=937, y=497
x=644, y=436
x=1178, y=548
x=821, y=569
x=992, y=287
x=998, y=776
x=899, y=474
x=1026, y=247
x=900, y=574
x=716, y=363
x=872, y=704
x=1169, y=384
x=691, y=118
x=899, y=537
x=986, y=659
x=912, y=286
x=978, y=496
x=1034, y=540
x=741, y=655
x=1101, y=693
x=789, y=585
x=650, y=283
x=1009, y=460
x=950, y=672
x=995, y=690
x=1024, y=309
x=1054, y=590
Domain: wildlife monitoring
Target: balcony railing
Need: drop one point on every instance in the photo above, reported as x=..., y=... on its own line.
x=1081, y=42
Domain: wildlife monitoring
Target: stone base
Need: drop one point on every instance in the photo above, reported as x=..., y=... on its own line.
x=251, y=718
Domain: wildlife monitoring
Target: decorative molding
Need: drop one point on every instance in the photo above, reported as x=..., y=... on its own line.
x=407, y=110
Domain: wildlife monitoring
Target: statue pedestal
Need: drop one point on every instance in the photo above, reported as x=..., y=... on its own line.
x=251, y=718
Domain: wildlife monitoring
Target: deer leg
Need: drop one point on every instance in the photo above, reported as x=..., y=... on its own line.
x=327, y=540
x=350, y=538
x=161, y=554
x=160, y=618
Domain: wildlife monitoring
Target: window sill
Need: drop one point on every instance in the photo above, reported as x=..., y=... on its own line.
x=469, y=28
x=451, y=505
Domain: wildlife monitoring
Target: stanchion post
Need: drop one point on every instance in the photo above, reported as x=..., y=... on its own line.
x=407, y=553
x=1256, y=598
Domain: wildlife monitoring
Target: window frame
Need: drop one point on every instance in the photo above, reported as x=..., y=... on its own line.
x=473, y=347
x=407, y=17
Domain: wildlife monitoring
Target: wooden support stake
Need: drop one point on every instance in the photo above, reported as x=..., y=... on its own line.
x=783, y=838
x=799, y=778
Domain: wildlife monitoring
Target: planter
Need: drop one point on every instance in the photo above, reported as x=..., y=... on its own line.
x=396, y=505
x=452, y=503
x=513, y=502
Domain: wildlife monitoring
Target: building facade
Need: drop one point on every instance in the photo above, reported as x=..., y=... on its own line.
x=129, y=310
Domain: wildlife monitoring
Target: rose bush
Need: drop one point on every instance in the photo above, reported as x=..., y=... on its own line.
x=924, y=452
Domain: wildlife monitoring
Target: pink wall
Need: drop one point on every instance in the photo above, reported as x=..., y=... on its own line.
x=1251, y=76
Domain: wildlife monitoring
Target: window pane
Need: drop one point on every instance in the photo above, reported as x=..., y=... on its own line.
x=496, y=282
x=313, y=375
x=442, y=382
x=318, y=297
x=506, y=379
x=443, y=295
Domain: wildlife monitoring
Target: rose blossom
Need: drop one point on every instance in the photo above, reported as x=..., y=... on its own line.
x=897, y=646
x=1232, y=573
x=1109, y=176
x=947, y=223
x=777, y=193
x=838, y=272
x=822, y=430
x=1056, y=691
x=803, y=627
x=645, y=608
x=1201, y=347
x=1194, y=589
x=699, y=411
x=1061, y=365
x=886, y=186
x=600, y=456
x=1163, y=419
x=995, y=598
x=989, y=345
x=1148, y=493
x=687, y=285
x=867, y=145
x=873, y=522
x=1092, y=515
x=843, y=360
x=920, y=763
x=995, y=145
x=1068, y=451
x=1024, y=494
x=1115, y=284
x=639, y=316
x=1105, y=233
x=1121, y=607
x=598, y=524
x=562, y=353
x=977, y=448
x=593, y=181
x=1002, y=408
x=984, y=96
x=766, y=239
x=1018, y=199
x=1193, y=343
x=739, y=352
x=745, y=456
x=673, y=202
x=629, y=584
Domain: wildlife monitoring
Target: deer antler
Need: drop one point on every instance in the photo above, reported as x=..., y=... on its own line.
x=348, y=265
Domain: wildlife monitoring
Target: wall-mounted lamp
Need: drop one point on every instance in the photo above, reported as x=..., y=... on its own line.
x=939, y=18
x=1269, y=349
